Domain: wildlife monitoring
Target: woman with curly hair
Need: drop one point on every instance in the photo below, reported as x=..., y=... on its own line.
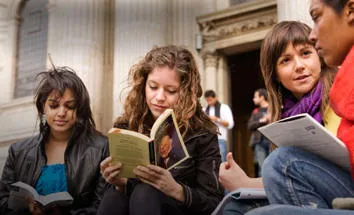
x=167, y=77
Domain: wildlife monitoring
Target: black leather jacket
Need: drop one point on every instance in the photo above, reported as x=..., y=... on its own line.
x=198, y=175
x=82, y=159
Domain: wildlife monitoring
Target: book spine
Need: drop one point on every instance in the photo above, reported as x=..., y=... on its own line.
x=152, y=153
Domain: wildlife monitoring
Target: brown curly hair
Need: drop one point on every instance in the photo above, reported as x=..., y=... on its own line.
x=188, y=110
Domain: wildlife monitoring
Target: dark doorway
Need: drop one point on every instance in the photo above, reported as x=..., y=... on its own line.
x=246, y=77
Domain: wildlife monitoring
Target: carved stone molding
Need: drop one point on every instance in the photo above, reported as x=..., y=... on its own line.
x=51, y=5
x=211, y=33
x=210, y=59
x=238, y=20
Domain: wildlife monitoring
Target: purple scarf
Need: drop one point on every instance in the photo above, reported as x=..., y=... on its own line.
x=310, y=103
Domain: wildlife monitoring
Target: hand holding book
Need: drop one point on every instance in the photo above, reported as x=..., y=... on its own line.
x=24, y=196
x=164, y=147
x=110, y=173
x=161, y=179
x=34, y=207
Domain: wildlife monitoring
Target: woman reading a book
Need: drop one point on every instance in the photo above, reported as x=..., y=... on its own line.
x=167, y=77
x=65, y=155
x=297, y=82
x=319, y=183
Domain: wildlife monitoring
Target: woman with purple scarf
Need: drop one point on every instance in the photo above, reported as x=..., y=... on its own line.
x=297, y=82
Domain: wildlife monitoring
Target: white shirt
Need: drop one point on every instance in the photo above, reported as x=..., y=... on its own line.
x=225, y=115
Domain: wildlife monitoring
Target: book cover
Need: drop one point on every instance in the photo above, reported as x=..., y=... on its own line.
x=164, y=147
x=241, y=193
x=20, y=191
x=306, y=133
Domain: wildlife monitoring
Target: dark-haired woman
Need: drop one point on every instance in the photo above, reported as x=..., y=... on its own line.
x=297, y=82
x=311, y=181
x=65, y=155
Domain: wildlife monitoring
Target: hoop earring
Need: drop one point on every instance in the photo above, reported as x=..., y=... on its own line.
x=44, y=119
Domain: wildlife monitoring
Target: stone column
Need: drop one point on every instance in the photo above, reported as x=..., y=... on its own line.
x=223, y=81
x=76, y=39
x=8, y=43
x=294, y=10
x=211, y=60
x=139, y=26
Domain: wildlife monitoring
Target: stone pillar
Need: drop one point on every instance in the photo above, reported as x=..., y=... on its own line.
x=19, y=114
x=8, y=43
x=211, y=60
x=139, y=26
x=294, y=10
x=76, y=39
x=223, y=81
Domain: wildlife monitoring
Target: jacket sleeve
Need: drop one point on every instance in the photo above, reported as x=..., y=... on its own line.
x=101, y=187
x=342, y=102
x=207, y=192
x=8, y=177
x=253, y=122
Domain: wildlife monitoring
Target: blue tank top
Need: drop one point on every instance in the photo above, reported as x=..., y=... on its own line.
x=52, y=179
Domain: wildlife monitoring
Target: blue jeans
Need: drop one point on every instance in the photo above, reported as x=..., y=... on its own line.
x=295, y=177
x=242, y=206
x=223, y=149
x=294, y=210
x=260, y=154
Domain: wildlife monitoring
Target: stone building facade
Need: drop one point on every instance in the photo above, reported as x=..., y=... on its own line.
x=101, y=39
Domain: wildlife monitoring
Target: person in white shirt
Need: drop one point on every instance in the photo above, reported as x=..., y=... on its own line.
x=220, y=114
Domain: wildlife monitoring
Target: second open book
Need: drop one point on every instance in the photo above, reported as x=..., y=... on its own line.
x=164, y=147
x=304, y=132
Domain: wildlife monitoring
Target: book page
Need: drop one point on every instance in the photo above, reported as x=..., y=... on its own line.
x=18, y=194
x=304, y=132
x=56, y=199
x=249, y=193
x=130, y=148
x=169, y=146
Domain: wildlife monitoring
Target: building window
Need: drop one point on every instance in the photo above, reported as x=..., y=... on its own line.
x=32, y=45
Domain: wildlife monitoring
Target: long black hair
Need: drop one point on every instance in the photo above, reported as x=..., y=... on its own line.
x=59, y=79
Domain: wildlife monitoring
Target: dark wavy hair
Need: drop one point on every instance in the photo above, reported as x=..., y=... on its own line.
x=274, y=44
x=188, y=110
x=337, y=5
x=59, y=79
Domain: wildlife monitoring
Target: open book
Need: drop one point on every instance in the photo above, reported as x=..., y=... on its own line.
x=239, y=194
x=306, y=133
x=164, y=147
x=20, y=191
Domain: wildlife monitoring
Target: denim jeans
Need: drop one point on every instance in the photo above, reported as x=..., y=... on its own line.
x=223, y=149
x=260, y=154
x=295, y=177
x=242, y=206
x=294, y=210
